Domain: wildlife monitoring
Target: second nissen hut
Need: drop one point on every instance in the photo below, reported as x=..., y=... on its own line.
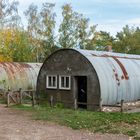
x=84, y=77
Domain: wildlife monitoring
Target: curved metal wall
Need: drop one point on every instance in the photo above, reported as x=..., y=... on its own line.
x=15, y=75
x=119, y=75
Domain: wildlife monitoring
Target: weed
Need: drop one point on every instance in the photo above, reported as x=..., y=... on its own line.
x=93, y=121
x=136, y=138
x=131, y=133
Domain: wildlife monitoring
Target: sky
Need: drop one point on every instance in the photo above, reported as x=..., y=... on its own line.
x=110, y=15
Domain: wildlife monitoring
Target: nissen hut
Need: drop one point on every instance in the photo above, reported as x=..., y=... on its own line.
x=84, y=78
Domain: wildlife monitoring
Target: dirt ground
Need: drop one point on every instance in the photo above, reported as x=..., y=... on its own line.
x=18, y=125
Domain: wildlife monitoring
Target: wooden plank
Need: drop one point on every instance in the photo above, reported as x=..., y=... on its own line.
x=8, y=100
x=111, y=105
x=14, y=100
x=33, y=99
x=51, y=101
x=122, y=102
x=26, y=94
x=101, y=105
x=29, y=90
x=17, y=96
x=20, y=96
x=75, y=103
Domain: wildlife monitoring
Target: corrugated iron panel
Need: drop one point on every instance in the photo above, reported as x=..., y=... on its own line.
x=119, y=75
x=15, y=75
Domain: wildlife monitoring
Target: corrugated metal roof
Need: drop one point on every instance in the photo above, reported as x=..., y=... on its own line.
x=18, y=75
x=119, y=75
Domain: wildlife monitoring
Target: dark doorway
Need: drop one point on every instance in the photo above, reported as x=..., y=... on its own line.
x=82, y=91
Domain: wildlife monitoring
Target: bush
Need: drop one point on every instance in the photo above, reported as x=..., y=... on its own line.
x=59, y=105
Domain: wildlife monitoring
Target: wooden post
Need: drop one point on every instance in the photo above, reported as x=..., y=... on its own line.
x=33, y=99
x=8, y=99
x=101, y=104
x=51, y=101
x=20, y=96
x=75, y=103
x=122, y=101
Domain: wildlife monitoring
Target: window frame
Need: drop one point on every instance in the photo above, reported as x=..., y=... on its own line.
x=60, y=82
x=47, y=82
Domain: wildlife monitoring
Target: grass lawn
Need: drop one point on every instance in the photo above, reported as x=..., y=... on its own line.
x=116, y=123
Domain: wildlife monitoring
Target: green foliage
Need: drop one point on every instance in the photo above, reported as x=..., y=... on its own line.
x=2, y=100
x=39, y=39
x=16, y=45
x=131, y=133
x=74, y=29
x=41, y=27
x=82, y=30
x=67, y=28
x=47, y=31
x=21, y=46
x=128, y=40
x=115, y=123
x=136, y=138
x=34, y=24
x=59, y=105
x=23, y=107
x=103, y=40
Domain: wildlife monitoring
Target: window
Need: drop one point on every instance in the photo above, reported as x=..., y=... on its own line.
x=64, y=82
x=51, y=81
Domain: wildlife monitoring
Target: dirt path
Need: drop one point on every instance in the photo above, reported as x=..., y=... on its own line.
x=15, y=125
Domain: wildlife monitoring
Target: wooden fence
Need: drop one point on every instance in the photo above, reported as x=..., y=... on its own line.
x=19, y=96
x=100, y=105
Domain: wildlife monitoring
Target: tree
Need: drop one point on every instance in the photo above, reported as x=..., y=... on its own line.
x=33, y=27
x=5, y=39
x=22, y=52
x=41, y=26
x=47, y=29
x=68, y=29
x=82, y=30
x=9, y=14
x=128, y=40
x=9, y=19
x=103, y=40
x=15, y=46
x=74, y=29
x=93, y=35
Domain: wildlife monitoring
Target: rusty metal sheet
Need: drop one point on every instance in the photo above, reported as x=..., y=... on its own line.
x=15, y=75
x=119, y=75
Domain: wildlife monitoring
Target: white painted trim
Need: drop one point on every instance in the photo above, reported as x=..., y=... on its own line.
x=47, y=82
x=64, y=88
